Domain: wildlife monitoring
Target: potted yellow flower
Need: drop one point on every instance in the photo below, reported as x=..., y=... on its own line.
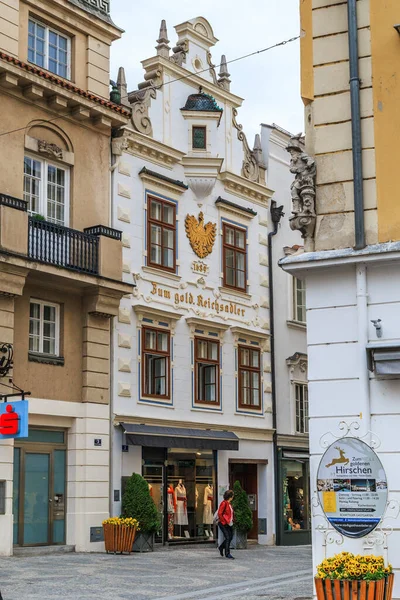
x=348, y=575
x=119, y=534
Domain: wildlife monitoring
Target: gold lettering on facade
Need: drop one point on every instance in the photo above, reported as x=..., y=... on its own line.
x=157, y=291
x=200, y=301
x=201, y=236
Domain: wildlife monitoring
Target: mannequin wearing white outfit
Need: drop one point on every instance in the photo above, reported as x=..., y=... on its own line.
x=208, y=509
x=181, y=517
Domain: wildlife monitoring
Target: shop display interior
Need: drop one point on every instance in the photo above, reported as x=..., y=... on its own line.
x=295, y=508
x=190, y=494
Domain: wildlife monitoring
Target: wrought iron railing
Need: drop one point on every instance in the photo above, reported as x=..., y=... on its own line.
x=62, y=246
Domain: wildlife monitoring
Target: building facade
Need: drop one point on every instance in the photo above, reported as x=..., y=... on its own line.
x=351, y=265
x=192, y=386
x=60, y=267
x=288, y=317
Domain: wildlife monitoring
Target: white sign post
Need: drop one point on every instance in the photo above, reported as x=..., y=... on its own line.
x=352, y=487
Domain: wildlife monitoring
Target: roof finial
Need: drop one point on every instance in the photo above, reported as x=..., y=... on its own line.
x=163, y=41
x=224, y=80
x=257, y=150
x=122, y=87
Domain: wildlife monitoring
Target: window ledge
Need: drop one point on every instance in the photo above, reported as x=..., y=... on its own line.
x=46, y=359
x=207, y=407
x=161, y=273
x=234, y=292
x=251, y=412
x=161, y=403
x=297, y=325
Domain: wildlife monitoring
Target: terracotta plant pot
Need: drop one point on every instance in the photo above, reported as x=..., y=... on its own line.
x=119, y=538
x=335, y=589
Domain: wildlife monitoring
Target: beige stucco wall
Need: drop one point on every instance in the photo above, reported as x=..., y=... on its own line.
x=329, y=116
x=50, y=381
x=89, y=175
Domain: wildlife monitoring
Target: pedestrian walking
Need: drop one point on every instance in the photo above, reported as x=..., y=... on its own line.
x=225, y=523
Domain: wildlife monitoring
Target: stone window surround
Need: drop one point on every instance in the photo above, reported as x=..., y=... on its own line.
x=147, y=251
x=298, y=365
x=237, y=227
x=245, y=346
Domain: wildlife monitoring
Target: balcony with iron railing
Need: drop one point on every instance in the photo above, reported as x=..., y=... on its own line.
x=94, y=251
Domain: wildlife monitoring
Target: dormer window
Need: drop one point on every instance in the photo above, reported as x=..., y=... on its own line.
x=199, y=137
x=50, y=49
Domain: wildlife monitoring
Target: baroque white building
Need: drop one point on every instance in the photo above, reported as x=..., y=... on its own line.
x=192, y=405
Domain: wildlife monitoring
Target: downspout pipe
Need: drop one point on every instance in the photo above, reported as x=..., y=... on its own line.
x=276, y=215
x=356, y=126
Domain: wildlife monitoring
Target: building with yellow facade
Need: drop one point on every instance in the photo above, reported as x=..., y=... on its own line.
x=350, y=86
x=60, y=267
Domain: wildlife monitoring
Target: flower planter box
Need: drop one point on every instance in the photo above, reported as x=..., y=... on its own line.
x=144, y=542
x=336, y=589
x=119, y=538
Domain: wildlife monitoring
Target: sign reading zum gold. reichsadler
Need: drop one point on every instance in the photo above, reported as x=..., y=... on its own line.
x=352, y=487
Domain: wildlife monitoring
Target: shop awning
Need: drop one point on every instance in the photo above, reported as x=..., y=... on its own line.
x=176, y=437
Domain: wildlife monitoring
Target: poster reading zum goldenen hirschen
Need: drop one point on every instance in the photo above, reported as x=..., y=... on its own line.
x=352, y=487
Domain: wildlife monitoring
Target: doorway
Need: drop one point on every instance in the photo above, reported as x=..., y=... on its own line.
x=246, y=474
x=39, y=489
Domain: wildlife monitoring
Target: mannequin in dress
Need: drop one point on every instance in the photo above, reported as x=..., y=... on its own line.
x=171, y=509
x=208, y=508
x=181, y=504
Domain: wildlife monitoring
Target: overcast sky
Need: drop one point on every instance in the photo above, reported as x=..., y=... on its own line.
x=268, y=82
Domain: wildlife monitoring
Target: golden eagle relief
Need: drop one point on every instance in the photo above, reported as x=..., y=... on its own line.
x=201, y=237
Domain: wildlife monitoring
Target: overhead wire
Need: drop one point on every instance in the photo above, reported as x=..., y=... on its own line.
x=161, y=85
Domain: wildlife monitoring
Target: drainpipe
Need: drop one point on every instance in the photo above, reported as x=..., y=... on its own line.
x=356, y=126
x=276, y=215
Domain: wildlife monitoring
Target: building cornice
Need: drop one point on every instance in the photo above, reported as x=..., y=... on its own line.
x=243, y=188
x=144, y=310
x=158, y=62
x=298, y=442
x=200, y=115
x=152, y=150
x=377, y=253
x=76, y=14
x=236, y=209
x=38, y=85
x=157, y=179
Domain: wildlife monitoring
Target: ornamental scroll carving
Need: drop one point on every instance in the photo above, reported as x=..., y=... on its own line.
x=140, y=102
x=201, y=236
x=250, y=167
x=303, y=192
x=50, y=149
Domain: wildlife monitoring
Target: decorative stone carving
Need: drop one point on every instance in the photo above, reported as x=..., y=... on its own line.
x=119, y=145
x=201, y=236
x=140, y=102
x=179, y=53
x=163, y=41
x=224, y=75
x=298, y=364
x=50, y=149
x=251, y=168
x=303, y=192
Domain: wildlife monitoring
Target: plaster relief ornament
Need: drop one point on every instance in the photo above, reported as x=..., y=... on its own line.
x=201, y=236
x=303, y=192
x=49, y=149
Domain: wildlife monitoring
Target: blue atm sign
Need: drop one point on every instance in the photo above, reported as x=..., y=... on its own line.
x=13, y=420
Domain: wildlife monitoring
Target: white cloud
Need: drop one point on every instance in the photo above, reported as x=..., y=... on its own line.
x=269, y=82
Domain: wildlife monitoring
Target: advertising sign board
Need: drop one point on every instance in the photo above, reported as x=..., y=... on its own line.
x=352, y=487
x=14, y=419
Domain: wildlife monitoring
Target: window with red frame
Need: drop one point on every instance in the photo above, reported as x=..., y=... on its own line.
x=207, y=368
x=161, y=236
x=155, y=363
x=234, y=257
x=249, y=378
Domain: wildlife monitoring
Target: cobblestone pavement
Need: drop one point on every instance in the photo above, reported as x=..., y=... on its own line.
x=185, y=573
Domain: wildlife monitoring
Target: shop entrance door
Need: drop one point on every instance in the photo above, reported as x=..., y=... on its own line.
x=246, y=474
x=39, y=495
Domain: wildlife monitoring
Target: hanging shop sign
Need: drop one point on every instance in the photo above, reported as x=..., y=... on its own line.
x=352, y=487
x=14, y=419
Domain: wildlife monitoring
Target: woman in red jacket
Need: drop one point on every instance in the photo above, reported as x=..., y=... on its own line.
x=225, y=523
